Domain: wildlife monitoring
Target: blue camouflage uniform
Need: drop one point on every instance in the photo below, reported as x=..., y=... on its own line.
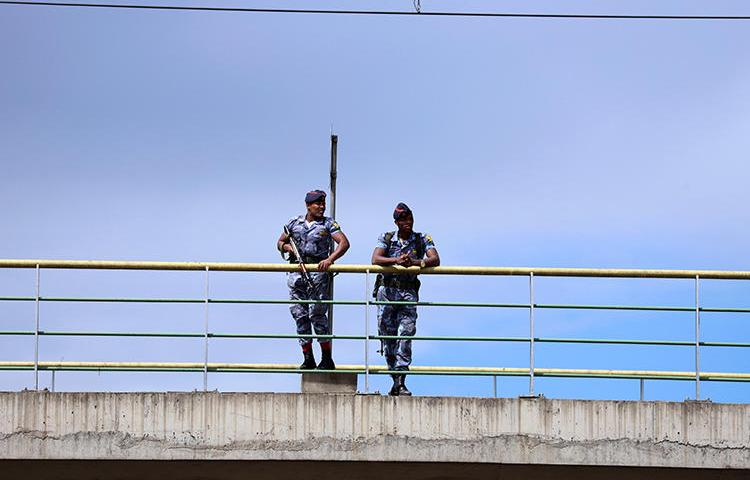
x=400, y=320
x=315, y=244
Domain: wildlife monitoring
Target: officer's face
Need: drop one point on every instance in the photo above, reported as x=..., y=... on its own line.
x=317, y=209
x=405, y=223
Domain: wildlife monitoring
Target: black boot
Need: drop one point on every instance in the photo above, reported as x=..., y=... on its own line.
x=326, y=363
x=394, y=388
x=402, y=390
x=309, y=363
x=391, y=361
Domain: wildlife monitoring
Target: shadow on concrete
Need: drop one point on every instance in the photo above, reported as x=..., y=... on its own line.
x=280, y=470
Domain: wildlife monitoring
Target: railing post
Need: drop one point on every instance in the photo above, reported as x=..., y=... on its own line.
x=697, y=339
x=531, y=333
x=642, y=382
x=205, y=339
x=36, y=332
x=367, y=331
x=494, y=386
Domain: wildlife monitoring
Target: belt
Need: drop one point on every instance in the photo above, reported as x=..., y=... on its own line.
x=403, y=284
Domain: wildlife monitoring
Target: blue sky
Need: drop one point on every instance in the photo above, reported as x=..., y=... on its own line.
x=193, y=136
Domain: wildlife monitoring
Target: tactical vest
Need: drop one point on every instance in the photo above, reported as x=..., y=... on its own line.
x=420, y=244
x=415, y=284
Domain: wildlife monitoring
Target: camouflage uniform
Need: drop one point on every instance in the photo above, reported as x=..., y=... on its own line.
x=400, y=320
x=315, y=244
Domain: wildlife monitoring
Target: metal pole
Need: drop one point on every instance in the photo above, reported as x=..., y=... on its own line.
x=367, y=332
x=334, y=174
x=334, y=153
x=642, y=382
x=205, y=339
x=697, y=339
x=531, y=333
x=36, y=334
x=494, y=386
x=53, y=381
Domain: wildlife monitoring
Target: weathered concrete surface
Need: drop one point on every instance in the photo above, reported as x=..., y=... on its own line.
x=359, y=428
x=329, y=383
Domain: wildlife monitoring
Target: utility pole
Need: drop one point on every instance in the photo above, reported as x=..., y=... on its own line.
x=334, y=148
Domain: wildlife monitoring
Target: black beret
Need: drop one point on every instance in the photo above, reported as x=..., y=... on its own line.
x=401, y=210
x=315, y=196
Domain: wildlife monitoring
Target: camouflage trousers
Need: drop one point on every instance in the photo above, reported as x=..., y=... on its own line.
x=307, y=316
x=397, y=320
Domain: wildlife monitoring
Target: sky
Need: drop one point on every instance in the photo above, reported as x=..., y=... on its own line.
x=193, y=136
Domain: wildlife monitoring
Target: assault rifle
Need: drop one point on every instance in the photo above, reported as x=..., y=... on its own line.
x=296, y=256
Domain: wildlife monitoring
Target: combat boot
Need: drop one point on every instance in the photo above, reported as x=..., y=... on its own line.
x=309, y=363
x=402, y=390
x=326, y=363
x=394, y=388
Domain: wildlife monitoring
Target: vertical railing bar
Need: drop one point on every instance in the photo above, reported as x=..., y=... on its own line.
x=494, y=386
x=205, y=338
x=531, y=333
x=642, y=382
x=367, y=331
x=697, y=339
x=36, y=332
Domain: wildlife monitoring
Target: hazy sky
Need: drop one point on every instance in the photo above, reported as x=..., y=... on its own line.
x=193, y=136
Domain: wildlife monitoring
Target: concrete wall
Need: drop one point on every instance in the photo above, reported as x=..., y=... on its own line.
x=359, y=428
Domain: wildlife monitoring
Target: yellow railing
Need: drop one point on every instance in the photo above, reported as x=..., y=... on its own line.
x=697, y=275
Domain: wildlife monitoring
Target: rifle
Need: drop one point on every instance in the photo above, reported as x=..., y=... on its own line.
x=306, y=278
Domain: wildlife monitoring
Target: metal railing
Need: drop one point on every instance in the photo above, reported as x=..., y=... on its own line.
x=367, y=369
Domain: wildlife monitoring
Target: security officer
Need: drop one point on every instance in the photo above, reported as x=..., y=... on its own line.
x=313, y=234
x=405, y=248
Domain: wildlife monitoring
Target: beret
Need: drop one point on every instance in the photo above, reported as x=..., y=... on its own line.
x=401, y=210
x=315, y=196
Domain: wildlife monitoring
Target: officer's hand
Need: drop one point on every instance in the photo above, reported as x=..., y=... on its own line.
x=402, y=259
x=288, y=248
x=324, y=265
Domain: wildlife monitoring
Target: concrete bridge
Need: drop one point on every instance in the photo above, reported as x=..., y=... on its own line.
x=270, y=435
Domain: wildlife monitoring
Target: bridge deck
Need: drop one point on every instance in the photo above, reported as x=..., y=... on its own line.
x=370, y=428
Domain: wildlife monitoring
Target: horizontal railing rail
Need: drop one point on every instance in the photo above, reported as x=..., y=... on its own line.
x=532, y=371
x=596, y=341
x=644, y=308
x=374, y=369
x=284, y=267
